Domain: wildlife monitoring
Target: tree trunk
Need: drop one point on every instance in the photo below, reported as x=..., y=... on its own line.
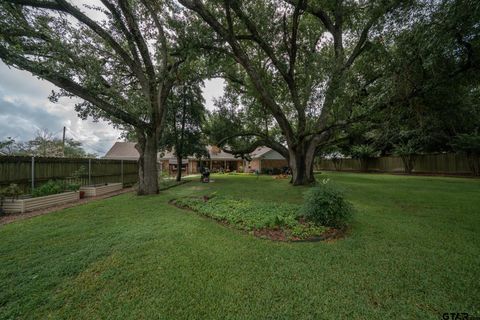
x=474, y=163
x=179, y=168
x=147, y=164
x=364, y=164
x=408, y=163
x=301, y=164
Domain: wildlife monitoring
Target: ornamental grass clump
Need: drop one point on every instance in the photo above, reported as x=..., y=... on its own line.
x=325, y=205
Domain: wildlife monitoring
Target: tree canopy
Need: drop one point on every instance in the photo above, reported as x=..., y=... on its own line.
x=303, y=77
x=121, y=57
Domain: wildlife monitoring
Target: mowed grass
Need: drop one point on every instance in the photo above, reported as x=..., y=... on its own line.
x=413, y=252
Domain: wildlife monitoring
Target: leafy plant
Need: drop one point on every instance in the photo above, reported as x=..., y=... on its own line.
x=51, y=187
x=72, y=186
x=79, y=173
x=363, y=152
x=253, y=215
x=325, y=205
x=12, y=191
x=408, y=151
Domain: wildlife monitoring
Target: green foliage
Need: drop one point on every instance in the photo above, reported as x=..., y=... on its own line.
x=7, y=146
x=408, y=152
x=44, y=144
x=363, y=151
x=253, y=215
x=51, y=187
x=184, y=121
x=467, y=143
x=78, y=174
x=405, y=149
x=271, y=171
x=326, y=205
x=72, y=187
x=12, y=191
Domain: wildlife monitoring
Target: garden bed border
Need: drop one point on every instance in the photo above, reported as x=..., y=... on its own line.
x=30, y=204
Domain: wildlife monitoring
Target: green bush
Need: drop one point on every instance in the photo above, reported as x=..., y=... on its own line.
x=363, y=152
x=51, y=187
x=73, y=187
x=325, y=205
x=12, y=191
x=408, y=152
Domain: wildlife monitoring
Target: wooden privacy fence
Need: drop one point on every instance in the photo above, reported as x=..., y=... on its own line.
x=442, y=163
x=34, y=171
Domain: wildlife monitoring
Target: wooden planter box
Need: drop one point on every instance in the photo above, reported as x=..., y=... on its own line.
x=100, y=190
x=30, y=204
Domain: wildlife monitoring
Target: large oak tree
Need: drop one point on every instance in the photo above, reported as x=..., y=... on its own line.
x=296, y=59
x=123, y=63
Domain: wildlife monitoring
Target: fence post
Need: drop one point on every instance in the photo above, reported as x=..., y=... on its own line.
x=33, y=172
x=121, y=168
x=89, y=172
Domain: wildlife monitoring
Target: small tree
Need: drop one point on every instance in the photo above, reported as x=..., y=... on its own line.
x=469, y=144
x=185, y=117
x=363, y=152
x=7, y=146
x=408, y=151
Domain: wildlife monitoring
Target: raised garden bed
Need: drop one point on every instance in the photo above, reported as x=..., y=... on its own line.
x=30, y=204
x=98, y=190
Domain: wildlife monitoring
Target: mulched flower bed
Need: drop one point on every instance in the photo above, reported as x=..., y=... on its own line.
x=274, y=234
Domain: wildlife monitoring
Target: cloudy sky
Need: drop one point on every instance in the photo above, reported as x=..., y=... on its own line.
x=25, y=109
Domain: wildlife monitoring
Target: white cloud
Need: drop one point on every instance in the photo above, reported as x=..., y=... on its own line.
x=213, y=89
x=25, y=108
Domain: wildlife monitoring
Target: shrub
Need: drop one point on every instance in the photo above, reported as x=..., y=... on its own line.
x=266, y=171
x=73, y=187
x=408, y=152
x=12, y=191
x=325, y=205
x=363, y=152
x=51, y=187
x=276, y=171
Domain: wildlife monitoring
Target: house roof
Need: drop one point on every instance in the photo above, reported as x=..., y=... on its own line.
x=127, y=151
x=122, y=151
x=266, y=153
x=218, y=154
x=259, y=152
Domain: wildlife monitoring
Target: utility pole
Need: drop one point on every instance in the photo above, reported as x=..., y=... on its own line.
x=63, y=142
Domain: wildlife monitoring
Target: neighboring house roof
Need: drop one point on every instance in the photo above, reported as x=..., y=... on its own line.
x=218, y=154
x=122, y=151
x=260, y=151
x=266, y=153
x=127, y=151
x=170, y=156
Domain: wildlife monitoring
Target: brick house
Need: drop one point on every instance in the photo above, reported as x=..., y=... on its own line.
x=261, y=158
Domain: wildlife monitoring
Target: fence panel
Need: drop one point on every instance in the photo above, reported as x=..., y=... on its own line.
x=18, y=170
x=441, y=163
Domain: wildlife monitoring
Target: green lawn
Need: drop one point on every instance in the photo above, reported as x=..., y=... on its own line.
x=413, y=253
